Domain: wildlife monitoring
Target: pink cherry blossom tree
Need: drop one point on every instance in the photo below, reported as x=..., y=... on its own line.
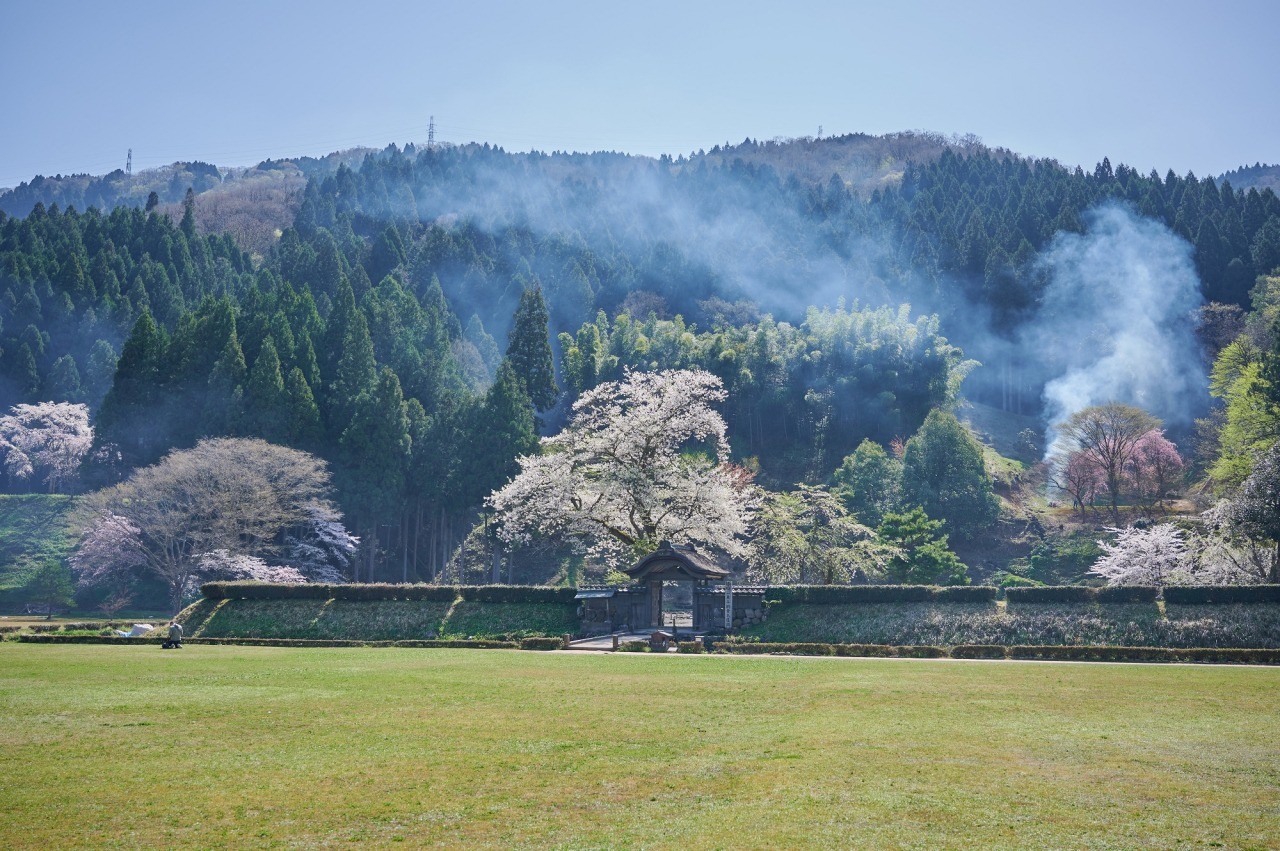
x=1082, y=476
x=1153, y=469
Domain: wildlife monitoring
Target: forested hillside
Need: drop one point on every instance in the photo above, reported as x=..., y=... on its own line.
x=428, y=311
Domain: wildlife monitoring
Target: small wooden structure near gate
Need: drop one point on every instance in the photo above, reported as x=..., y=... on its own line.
x=718, y=605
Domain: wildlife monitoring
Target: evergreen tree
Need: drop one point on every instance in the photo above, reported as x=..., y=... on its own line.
x=943, y=472
x=869, y=482
x=129, y=417
x=356, y=373
x=64, y=380
x=924, y=558
x=504, y=430
x=224, y=405
x=376, y=449
x=529, y=349
x=305, y=430
x=266, y=408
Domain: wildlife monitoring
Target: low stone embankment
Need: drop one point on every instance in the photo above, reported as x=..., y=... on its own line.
x=1241, y=617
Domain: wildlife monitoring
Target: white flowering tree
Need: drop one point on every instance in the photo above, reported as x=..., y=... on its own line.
x=219, y=510
x=642, y=460
x=226, y=565
x=320, y=547
x=1228, y=554
x=1157, y=555
x=45, y=441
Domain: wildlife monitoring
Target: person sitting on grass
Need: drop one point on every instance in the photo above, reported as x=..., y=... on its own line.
x=175, y=635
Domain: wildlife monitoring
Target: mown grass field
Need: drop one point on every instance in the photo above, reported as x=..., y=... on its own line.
x=268, y=747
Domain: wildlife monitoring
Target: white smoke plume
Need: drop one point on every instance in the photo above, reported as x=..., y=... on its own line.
x=1118, y=320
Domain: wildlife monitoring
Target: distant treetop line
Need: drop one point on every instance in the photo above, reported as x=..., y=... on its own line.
x=416, y=316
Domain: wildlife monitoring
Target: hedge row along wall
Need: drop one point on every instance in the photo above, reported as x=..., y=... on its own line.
x=846, y=594
x=473, y=644
x=372, y=592
x=1083, y=594
x=809, y=594
x=1061, y=653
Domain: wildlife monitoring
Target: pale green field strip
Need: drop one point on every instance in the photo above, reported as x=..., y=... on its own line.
x=302, y=748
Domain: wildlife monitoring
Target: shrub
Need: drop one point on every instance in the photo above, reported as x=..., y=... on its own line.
x=1189, y=595
x=874, y=650
x=633, y=647
x=1051, y=594
x=791, y=648
x=1012, y=580
x=1083, y=594
x=822, y=594
x=978, y=651
x=966, y=594
x=542, y=644
x=1128, y=594
x=920, y=651
x=387, y=591
x=469, y=643
x=689, y=646
x=1078, y=653
x=517, y=594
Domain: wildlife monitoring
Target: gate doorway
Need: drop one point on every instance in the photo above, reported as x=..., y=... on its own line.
x=677, y=603
x=671, y=574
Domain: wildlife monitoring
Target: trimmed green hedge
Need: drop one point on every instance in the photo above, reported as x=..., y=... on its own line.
x=1148, y=654
x=474, y=644
x=965, y=594
x=978, y=651
x=1077, y=653
x=689, y=646
x=542, y=644
x=1191, y=595
x=633, y=647
x=48, y=638
x=1083, y=594
x=1127, y=594
x=836, y=594
x=387, y=591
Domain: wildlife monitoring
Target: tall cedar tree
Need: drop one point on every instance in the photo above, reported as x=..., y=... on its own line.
x=266, y=407
x=529, y=349
x=130, y=416
x=376, y=451
x=504, y=430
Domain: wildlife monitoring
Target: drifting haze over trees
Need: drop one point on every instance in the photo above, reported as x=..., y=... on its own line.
x=399, y=328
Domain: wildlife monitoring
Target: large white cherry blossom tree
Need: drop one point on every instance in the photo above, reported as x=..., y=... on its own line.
x=641, y=460
x=46, y=441
x=220, y=510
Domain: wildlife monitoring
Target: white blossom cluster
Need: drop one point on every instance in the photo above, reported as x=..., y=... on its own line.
x=321, y=548
x=643, y=459
x=49, y=438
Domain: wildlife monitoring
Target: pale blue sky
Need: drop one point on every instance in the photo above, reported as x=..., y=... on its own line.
x=1177, y=85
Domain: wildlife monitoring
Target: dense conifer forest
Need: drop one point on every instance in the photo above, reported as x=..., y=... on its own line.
x=426, y=313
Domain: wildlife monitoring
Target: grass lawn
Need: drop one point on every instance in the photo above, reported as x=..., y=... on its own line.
x=261, y=747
